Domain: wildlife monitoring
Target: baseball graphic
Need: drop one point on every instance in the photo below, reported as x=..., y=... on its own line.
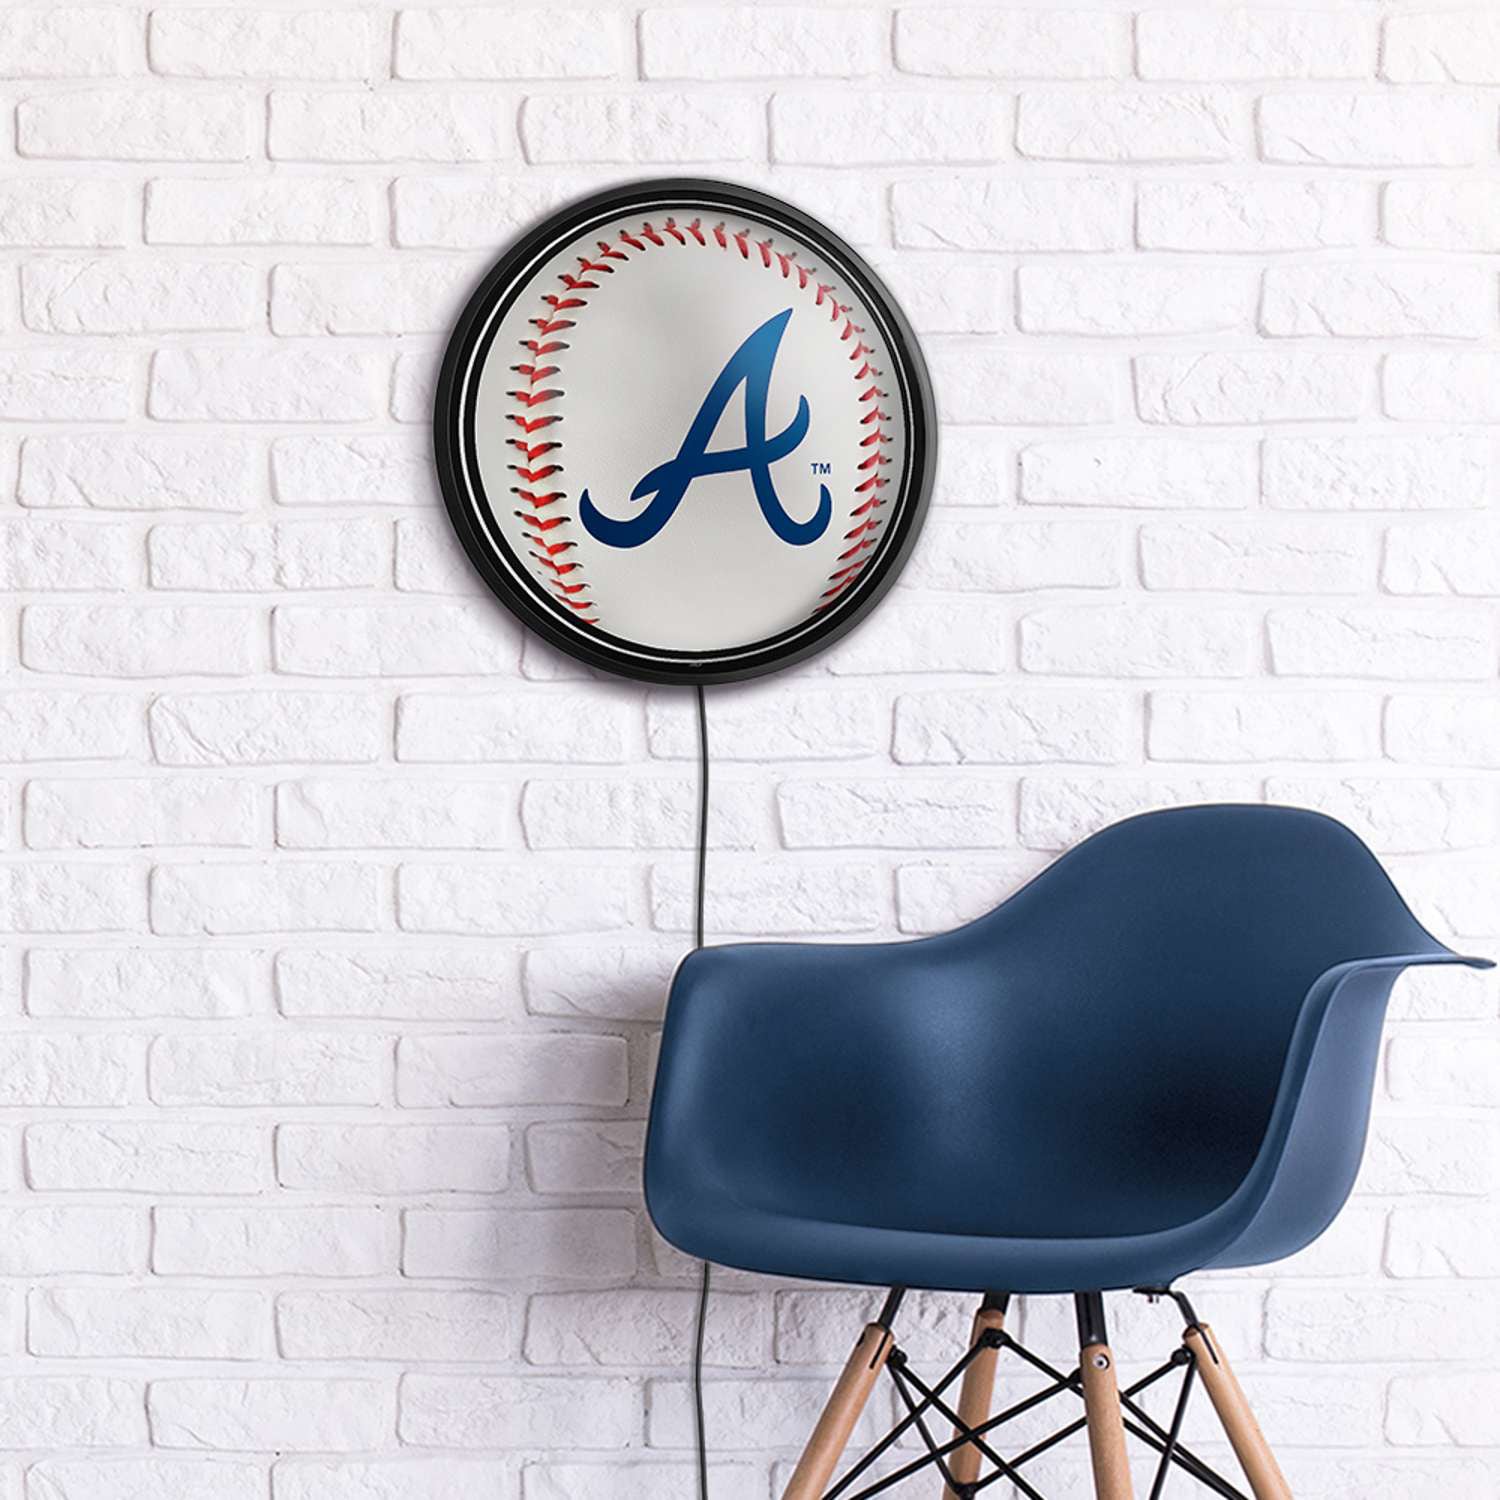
x=684, y=432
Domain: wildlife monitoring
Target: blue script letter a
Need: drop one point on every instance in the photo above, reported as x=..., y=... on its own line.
x=749, y=365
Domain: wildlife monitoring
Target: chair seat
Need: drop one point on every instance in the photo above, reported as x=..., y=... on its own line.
x=821, y=1250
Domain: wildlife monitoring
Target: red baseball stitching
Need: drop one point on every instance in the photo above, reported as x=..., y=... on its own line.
x=537, y=453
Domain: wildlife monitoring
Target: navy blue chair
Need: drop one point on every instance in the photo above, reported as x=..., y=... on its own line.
x=1156, y=1057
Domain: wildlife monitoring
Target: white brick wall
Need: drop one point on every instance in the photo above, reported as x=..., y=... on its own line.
x=341, y=913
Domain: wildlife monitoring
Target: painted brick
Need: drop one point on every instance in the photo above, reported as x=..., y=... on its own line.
x=1442, y=387
x=130, y=641
x=416, y=641
x=1012, y=727
x=147, y=1323
x=485, y=1411
x=70, y=898
x=401, y=1325
x=62, y=1069
x=1136, y=640
x=642, y=1328
x=1423, y=644
x=250, y=211
x=248, y=43
x=266, y=728
x=774, y=902
x=513, y=899
x=256, y=556
x=355, y=470
x=71, y=1411
x=1433, y=213
x=434, y=211
x=133, y=1478
x=949, y=42
x=1253, y=44
x=623, y=983
x=1253, y=216
x=1139, y=473
x=59, y=212
x=265, y=1242
x=468, y=1071
x=977, y=385
x=62, y=385
x=1263, y=557
x=147, y=1158
x=1440, y=472
x=1026, y=214
x=654, y=128
x=1438, y=1070
x=135, y=125
x=939, y=297
x=221, y=899
x=1371, y=130
x=1018, y=556
x=81, y=42
x=462, y=42
x=268, y=1068
x=1232, y=726
x=1195, y=389
x=1386, y=301
x=1450, y=46
x=420, y=297
x=586, y=1156
x=45, y=555
x=826, y=129
x=1446, y=558
x=1057, y=812
x=958, y=635
x=1399, y=814
x=270, y=1414
x=252, y=385
x=335, y=814
x=1096, y=299
x=147, y=471
x=1193, y=126
x=336, y=126
x=913, y=812
x=557, y=1244
x=398, y=1479
x=1411, y=1154
x=1438, y=1240
x=393, y=1158
x=112, y=983
x=522, y=725
x=428, y=983
x=139, y=813
x=762, y=42
x=68, y=1239
x=1392, y=1325
x=647, y=813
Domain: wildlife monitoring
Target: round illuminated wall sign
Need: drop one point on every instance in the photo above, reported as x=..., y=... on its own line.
x=684, y=432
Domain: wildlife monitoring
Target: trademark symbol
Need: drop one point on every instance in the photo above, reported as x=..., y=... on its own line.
x=821, y=468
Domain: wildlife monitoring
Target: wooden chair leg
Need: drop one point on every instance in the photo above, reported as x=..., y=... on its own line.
x=1245, y=1437
x=976, y=1398
x=831, y=1436
x=1101, y=1402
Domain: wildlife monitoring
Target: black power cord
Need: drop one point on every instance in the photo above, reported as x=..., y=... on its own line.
x=703, y=1286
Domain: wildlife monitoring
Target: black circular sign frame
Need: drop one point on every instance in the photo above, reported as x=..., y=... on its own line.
x=515, y=585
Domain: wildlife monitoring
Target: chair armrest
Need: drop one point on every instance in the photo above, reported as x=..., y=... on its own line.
x=1315, y=1137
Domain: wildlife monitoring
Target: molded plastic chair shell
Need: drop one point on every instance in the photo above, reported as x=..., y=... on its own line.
x=1157, y=1056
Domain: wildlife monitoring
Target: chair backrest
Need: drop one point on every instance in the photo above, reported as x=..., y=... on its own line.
x=1171, y=954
